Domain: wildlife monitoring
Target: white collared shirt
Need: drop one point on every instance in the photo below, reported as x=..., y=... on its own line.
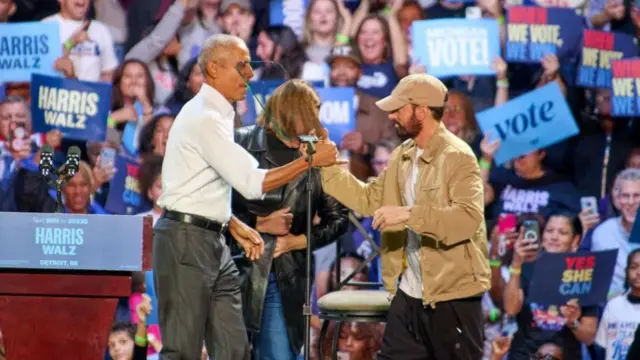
x=202, y=161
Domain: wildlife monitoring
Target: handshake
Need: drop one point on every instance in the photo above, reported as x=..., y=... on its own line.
x=326, y=151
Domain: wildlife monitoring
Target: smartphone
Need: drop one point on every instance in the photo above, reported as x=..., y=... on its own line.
x=18, y=136
x=531, y=232
x=107, y=157
x=343, y=355
x=473, y=12
x=589, y=203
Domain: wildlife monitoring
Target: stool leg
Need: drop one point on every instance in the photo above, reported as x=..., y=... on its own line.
x=336, y=336
x=323, y=333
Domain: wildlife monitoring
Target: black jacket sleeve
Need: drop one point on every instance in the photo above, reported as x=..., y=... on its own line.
x=32, y=193
x=334, y=221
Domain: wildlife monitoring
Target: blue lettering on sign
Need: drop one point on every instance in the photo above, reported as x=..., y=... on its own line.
x=586, y=75
x=516, y=51
x=19, y=52
x=519, y=123
x=579, y=288
x=131, y=197
x=622, y=105
x=294, y=11
x=538, y=51
x=603, y=79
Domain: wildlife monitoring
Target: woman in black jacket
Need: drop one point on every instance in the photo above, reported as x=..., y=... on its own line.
x=274, y=285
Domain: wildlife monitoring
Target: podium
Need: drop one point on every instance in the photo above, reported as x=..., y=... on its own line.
x=60, y=279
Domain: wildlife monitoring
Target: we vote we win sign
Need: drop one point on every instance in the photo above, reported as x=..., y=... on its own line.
x=451, y=47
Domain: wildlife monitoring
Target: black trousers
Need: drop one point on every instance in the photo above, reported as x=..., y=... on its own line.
x=198, y=291
x=453, y=330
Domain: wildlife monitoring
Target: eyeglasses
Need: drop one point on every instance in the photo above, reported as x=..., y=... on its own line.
x=543, y=357
x=453, y=108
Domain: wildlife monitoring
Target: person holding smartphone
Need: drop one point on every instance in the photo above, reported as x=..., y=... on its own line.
x=568, y=324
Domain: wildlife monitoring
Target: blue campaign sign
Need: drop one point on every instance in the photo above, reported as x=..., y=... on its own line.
x=71, y=242
x=124, y=189
x=79, y=109
x=529, y=122
x=259, y=92
x=288, y=12
x=337, y=113
x=533, y=32
x=456, y=46
x=560, y=277
x=634, y=238
x=28, y=47
x=625, y=101
x=599, y=49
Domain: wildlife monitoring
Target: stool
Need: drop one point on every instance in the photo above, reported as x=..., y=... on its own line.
x=350, y=306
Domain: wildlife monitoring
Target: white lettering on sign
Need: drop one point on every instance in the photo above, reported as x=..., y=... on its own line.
x=294, y=11
x=335, y=112
x=67, y=108
x=458, y=47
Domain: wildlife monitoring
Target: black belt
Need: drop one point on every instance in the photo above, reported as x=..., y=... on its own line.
x=196, y=220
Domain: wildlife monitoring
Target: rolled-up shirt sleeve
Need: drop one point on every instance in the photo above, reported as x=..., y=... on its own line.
x=234, y=164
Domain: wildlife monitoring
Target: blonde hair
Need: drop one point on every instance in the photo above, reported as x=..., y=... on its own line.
x=293, y=102
x=307, y=37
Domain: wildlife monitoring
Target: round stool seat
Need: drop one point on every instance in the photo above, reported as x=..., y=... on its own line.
x=355, y=300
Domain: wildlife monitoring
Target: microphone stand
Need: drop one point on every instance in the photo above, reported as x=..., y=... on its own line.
x=57, y=185
x=62, y=175
x=306, y=309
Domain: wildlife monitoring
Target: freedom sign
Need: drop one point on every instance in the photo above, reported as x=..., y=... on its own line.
x=529, y=122
x=560, y=277
x=625, y=101
x=533, y=32
x=28, y=47
x=78, y=109
x=337, y=112
x=124, y=196
x=456, y=46
x=599, y=49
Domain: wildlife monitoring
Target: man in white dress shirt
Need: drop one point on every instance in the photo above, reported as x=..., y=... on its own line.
x=196, y=280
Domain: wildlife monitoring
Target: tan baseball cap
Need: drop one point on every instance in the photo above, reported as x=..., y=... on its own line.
x=417, y=89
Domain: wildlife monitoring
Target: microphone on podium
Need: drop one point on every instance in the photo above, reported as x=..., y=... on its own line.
x=62, y=175
x=73, y=161
x=46, y=161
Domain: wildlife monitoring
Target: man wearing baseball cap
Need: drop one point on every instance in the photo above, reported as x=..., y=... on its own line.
x=429, y=205
x=372, y=124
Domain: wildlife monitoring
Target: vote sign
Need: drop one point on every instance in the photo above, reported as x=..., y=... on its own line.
x=125, y=196
x=449, y=47
x=533, y=32
x=529, y=122
x=78, y=109
x=28, y=47
x=337, y=113
x=599, y=49
x=560, y=277
x=626, y=88
x=288, y=12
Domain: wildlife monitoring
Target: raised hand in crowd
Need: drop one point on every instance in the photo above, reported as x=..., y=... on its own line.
x=500, y=66
x=492, y=7
x=614, y=10
x=353, y=141
x=248, y=238
x=124, y=114
x=65, y=65
x=143, y=310
x=79, y=36
x=347, y=21
x=588, y=219
x=53, y=138
x=277, y=223
x=141, y=95
x=524, y=251
x=417, y=68
x=500, y=347
x=571, y=312
x=102, y=174
x=550, y=66
x=288, y=243
x=489, y=148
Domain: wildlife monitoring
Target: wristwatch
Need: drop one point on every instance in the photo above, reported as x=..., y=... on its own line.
x=574, y=325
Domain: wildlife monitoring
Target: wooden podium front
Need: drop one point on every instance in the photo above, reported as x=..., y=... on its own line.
x=50, y=313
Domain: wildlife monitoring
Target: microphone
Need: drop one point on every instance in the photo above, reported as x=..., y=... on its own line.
x=46, y=160
x=73, y=161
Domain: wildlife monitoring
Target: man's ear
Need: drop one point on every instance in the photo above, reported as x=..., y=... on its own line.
x=212, y=70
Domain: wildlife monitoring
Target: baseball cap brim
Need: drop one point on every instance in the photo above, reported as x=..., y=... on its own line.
x=390, y=103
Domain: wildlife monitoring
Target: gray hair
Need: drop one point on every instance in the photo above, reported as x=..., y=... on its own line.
x=214, y=49
x=13, y=99
x=626, y=175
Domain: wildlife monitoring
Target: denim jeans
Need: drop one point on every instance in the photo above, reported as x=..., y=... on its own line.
x=272, y=342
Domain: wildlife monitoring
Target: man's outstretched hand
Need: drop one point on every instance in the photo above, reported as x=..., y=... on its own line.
x=250, y=239
x=326, y=151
